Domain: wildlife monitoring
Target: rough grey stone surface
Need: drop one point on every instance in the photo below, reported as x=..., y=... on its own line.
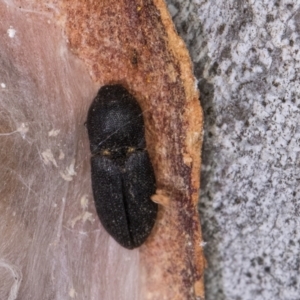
x=246, y=57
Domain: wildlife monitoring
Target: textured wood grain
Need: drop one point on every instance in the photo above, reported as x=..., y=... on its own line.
x=134, y=43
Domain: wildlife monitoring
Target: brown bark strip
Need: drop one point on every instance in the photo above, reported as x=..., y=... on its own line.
x=134, y=43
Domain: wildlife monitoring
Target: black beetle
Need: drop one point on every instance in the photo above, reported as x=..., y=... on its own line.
x=122, y=175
